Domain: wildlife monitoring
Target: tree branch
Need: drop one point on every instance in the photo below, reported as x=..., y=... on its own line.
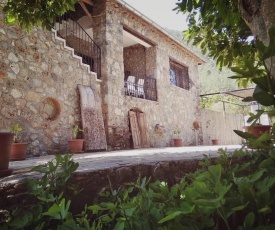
x=251, y=12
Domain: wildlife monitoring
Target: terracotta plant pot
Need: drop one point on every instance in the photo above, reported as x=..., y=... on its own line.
x=258, y=130
x=6, y=140
x=76, y=145
x=215, y=142
x=177, y=142
x=18, y=151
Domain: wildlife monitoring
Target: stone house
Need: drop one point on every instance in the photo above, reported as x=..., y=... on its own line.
x=145, y=82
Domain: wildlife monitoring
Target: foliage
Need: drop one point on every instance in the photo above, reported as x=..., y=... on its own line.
x=177, y=133
x=235, y=191
x=32, y=13
x=46, y=203
x=263, y=93
x=15, y=129
x=223, y=195
x=218, y=28
x=76, y=129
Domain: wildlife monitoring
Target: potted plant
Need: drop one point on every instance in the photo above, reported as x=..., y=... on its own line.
x=18, y=149
x=215, y=141
x=177, y=140
x=6, y=140
x=76, y=145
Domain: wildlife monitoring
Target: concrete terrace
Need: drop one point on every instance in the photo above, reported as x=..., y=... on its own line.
x=92, y=162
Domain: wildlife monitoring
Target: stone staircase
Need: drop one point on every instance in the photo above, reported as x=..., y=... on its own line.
x=79, y=42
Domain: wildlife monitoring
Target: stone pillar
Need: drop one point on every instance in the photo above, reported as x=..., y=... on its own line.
x=151, y=61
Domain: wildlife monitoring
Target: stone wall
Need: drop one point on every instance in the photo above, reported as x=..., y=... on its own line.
x=135, y=60
x=176, y=108
x=38, y=88
x=217, y=125
x=81, y=46
x=91, y=183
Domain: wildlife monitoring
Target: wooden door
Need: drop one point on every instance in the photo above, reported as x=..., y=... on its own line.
x=139, y=129
x=142, y=124
x=135, y=129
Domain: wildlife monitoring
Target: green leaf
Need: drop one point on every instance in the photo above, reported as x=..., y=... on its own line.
x=262, y=83
x=58, y=211
x=186, y=209
x=96, y=208
x=249, y=220
x=256, y=176
x=272, y=154
x=265, y=210
x=265, y=137
x=209, y=203
x=248, y=99
x=19, y=222
x=265, y=184
x=70, y=225
x=130, y=212
x=119, y=225
x=239, y=208
x=244, y=135
x=264, y=98
x=215, y=172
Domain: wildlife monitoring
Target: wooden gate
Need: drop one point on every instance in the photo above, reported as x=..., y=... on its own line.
x=139, y=129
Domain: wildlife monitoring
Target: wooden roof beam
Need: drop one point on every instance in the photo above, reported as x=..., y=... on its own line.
x=82, y=4
x=89, y=2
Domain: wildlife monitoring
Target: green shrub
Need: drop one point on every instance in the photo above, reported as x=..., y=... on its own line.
x=234, y=192
x=224, y=195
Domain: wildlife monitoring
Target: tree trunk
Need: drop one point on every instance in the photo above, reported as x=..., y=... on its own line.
x=260, y=17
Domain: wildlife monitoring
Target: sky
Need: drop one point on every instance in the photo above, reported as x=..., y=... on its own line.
x=161, y=12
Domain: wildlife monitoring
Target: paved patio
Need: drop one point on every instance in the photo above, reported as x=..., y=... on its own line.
x=89, y=162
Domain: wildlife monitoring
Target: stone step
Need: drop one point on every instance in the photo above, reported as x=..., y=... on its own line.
x=74, y=55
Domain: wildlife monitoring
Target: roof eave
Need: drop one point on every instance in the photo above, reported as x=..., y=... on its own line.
x=201, y=60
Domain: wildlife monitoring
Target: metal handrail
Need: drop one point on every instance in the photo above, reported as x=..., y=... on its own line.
x=147, y=91
x=77, y=38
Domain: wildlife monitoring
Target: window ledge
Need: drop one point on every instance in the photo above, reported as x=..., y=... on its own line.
x=177, y=87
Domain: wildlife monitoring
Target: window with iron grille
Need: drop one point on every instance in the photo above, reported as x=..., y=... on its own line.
x=179, y=75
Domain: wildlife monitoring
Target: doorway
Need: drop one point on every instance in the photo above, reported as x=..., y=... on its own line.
x=139, y=130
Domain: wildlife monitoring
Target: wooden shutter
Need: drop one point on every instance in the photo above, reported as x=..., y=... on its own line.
x=142, y=123
x=135, y=130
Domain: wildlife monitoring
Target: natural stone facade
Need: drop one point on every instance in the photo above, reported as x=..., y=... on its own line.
x=39, y=78
x=38, y=88
x=176, y=108
x=135, y=60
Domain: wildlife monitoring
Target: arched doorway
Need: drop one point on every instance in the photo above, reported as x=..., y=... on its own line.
x=138, y=127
